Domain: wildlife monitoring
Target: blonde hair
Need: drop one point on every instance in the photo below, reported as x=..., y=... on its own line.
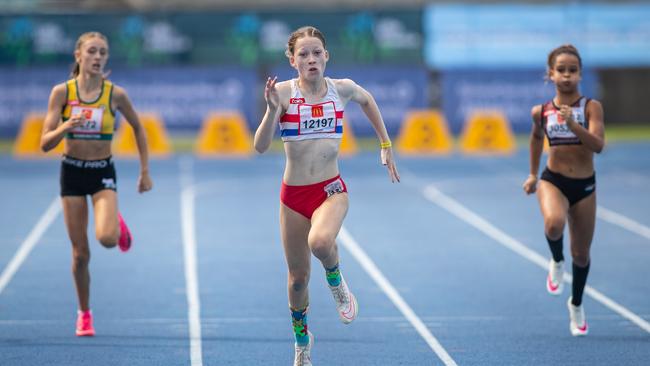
x=307, y=31
x=80, y=41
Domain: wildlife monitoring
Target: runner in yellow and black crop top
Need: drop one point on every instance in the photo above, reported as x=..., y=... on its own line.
x=314, y=201
x=575, y=130
x=82, y=110
x=99, y=118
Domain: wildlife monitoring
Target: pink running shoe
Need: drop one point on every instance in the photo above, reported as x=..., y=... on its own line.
x=85, y=324
x=555, y=278
x=125, y=235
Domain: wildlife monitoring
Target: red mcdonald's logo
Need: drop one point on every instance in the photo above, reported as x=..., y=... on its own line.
x=317, y=111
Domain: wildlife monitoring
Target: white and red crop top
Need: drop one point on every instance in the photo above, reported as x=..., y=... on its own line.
x=304, y=121
x=555, y=127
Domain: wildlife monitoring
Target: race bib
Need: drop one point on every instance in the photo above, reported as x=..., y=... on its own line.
x=556, y=127
x=94, y=118
x=333, y=188
x=318, y=118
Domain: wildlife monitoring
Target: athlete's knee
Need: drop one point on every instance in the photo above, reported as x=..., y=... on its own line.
x=321, y=245
x=80, y=258
x=298, y=280
x=580, y=257
x=106, y=239
x=554, y=227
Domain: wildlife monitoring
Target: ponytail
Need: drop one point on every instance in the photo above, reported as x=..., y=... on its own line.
x=75, y=70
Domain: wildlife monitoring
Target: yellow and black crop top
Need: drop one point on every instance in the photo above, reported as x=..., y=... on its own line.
x=100, y=118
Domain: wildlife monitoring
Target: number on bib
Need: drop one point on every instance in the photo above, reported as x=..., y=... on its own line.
x=93, y=116
x=320, y=118
x=333, y=188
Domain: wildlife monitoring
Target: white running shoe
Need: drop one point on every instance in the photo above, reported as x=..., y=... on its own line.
x=555, y=278
x=578, y=323
x=303, y=353
x=346, y=303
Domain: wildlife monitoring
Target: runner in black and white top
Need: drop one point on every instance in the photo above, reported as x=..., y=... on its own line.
x=575, y=130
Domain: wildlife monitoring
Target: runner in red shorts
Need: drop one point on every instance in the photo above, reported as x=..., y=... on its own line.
x=314, y=199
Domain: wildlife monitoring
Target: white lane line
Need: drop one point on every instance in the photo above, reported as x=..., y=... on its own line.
x=349, y=243
x=460, y=211
x=32, y=239
x=623, y=221
x=189, y=253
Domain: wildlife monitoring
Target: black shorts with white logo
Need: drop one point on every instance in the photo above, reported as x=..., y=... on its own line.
x=573, y=189
x=87, y=177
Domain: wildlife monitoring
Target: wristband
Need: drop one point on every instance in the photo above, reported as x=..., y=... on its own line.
x=385, y=145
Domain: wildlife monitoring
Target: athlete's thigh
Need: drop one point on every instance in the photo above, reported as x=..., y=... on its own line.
x=75, y=214
x=328, y=218
x=294, y=229
x=552, y=201
x=105, y=208
x=582, y=222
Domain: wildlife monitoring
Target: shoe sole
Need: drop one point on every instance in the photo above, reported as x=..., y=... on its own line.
x=124, y=247
x=85, y=333
x=578, y=333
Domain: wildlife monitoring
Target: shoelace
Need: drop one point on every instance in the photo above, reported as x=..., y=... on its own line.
x=577, y=316
x=340, y=294
x=556, y=273
x=302, y=356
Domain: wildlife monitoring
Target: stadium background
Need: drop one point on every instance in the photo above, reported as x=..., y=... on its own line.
x=184, y=59
x=448, y=265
